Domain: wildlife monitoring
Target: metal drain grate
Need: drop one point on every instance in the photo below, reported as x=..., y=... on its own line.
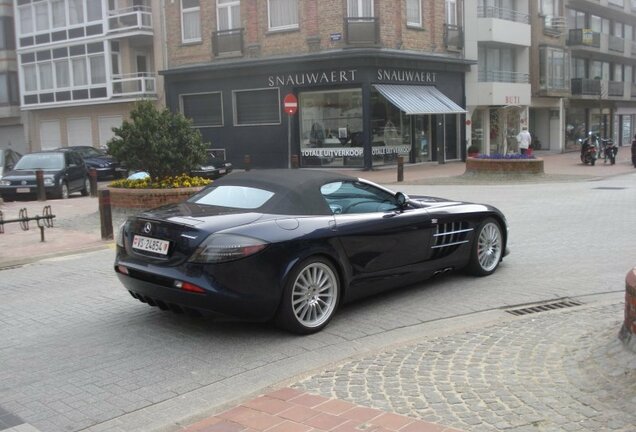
x=544, y=307
x=610, y=188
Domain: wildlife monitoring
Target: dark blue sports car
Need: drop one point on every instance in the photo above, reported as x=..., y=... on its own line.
x=292, y=245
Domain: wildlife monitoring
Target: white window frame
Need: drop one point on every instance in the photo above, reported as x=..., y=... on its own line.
x=282, y=27
x=451, y=12
x=360, y=4
x=184, y=11
x=227, y=5
x=409, y=22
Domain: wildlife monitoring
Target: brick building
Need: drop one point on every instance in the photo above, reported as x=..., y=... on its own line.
x=374, y=79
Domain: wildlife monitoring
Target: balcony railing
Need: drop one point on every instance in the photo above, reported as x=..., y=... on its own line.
x=586, y=86
x=555, y=84
x=134, y=84
x=453, y=37
x=130, y=18
x=502, y=13
x=503, y=76
x=554, y=25
x=615, y=88
x=585, y=37
x=225, y=42
x=362, y=31
x=616, y=43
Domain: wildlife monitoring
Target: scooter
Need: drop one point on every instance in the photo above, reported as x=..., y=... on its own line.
x=608, y=150
x=588, y=151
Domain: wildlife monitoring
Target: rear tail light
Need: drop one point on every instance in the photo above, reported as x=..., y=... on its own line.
x=227, y=247
x=187, y=286
x=123, y=270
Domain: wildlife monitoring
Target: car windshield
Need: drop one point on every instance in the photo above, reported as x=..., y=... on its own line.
x=242, y=197
x=89, y=152
x=40, y=161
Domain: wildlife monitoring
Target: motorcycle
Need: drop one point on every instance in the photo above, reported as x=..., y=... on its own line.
x=608, y=150
x=588, y=150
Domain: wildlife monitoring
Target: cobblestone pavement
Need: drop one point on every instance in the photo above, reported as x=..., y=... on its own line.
x=555, y=371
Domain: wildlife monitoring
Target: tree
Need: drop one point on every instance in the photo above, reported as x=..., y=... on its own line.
x=158, y=142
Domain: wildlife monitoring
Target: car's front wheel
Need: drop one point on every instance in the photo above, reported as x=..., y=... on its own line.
x=310, y=297
x=63, y=191
x=487, y=248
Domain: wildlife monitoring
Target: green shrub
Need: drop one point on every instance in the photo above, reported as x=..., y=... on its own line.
x=157, y=141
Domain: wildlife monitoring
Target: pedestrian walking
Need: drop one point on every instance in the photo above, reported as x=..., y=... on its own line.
x=524, y=139
x=634, y=151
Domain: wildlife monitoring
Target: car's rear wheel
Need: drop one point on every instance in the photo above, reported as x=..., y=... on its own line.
x=87, y=187
x=310, y=298
x=487, y=248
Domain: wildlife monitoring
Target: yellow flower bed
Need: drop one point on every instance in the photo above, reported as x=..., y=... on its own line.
x=181, y=181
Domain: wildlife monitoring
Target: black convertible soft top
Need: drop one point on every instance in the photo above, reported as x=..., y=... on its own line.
x=296, y=191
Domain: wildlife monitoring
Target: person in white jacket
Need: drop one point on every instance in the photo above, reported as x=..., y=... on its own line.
x=524, y=139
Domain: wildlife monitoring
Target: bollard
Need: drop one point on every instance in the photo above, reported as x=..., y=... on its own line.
x=294, y=161
x=400, y=169
x=105, y=215
x=247, y=161
x=92, y=176
x=39, y=182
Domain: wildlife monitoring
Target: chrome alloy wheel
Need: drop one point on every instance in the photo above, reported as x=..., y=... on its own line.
x=489, y=246
x=314, y=294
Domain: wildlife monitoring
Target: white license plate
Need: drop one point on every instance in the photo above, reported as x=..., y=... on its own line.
x=23, y=190
x=150, y=244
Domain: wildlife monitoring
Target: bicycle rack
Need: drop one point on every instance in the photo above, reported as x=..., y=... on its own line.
x=46, y=220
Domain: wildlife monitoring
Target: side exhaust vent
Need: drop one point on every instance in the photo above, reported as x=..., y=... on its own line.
x=544, y=307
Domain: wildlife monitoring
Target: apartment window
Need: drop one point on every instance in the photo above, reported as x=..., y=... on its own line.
x=94, y=10
x=451, y=12
x=550, y=8
x=41, y=16
x=98, y=69
x=414, y=13
x=26, y=19
x=190, y=21
x=8, y=88
x=45, y=71
x=360, y=8
x=205, y=110
x=256, y=107
x=58, y=13
x=576, y=19
x=80, y=77
x=76, y=11
x=553, y=67
x=228, y=14
x=496, y=64
x=7, y=39
x=617, y=72
x=283, y=14
x=62, y=74
x=578, y=68
x=599, y=70
x=617, y=29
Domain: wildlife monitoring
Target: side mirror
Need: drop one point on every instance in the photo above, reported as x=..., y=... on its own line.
x=402, y=199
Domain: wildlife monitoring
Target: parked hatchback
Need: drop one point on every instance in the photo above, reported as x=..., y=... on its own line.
x=64, y=173
x=104, y=164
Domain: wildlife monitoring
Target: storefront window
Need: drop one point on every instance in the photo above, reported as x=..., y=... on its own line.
x=331, y=128
x=477, y=130
x=574, y=128
x=391, y=131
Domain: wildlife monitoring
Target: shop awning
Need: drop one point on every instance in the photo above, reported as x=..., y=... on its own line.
x=419, y=99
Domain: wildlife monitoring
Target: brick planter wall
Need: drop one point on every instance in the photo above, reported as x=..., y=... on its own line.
x=144, y=199
x=504, y=166
x=628, y=331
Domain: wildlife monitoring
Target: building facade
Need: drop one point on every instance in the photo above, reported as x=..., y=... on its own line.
x=373, y=79
x=82, y=64
x=498, y=91
x=12, y=134
x=602, y=42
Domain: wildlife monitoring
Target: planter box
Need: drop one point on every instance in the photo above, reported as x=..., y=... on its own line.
x=504, y=166
x=144, y=199
x=628, y=330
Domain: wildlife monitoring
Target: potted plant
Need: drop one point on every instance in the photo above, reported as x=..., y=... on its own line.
x=472, y=151
x=166, y=147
